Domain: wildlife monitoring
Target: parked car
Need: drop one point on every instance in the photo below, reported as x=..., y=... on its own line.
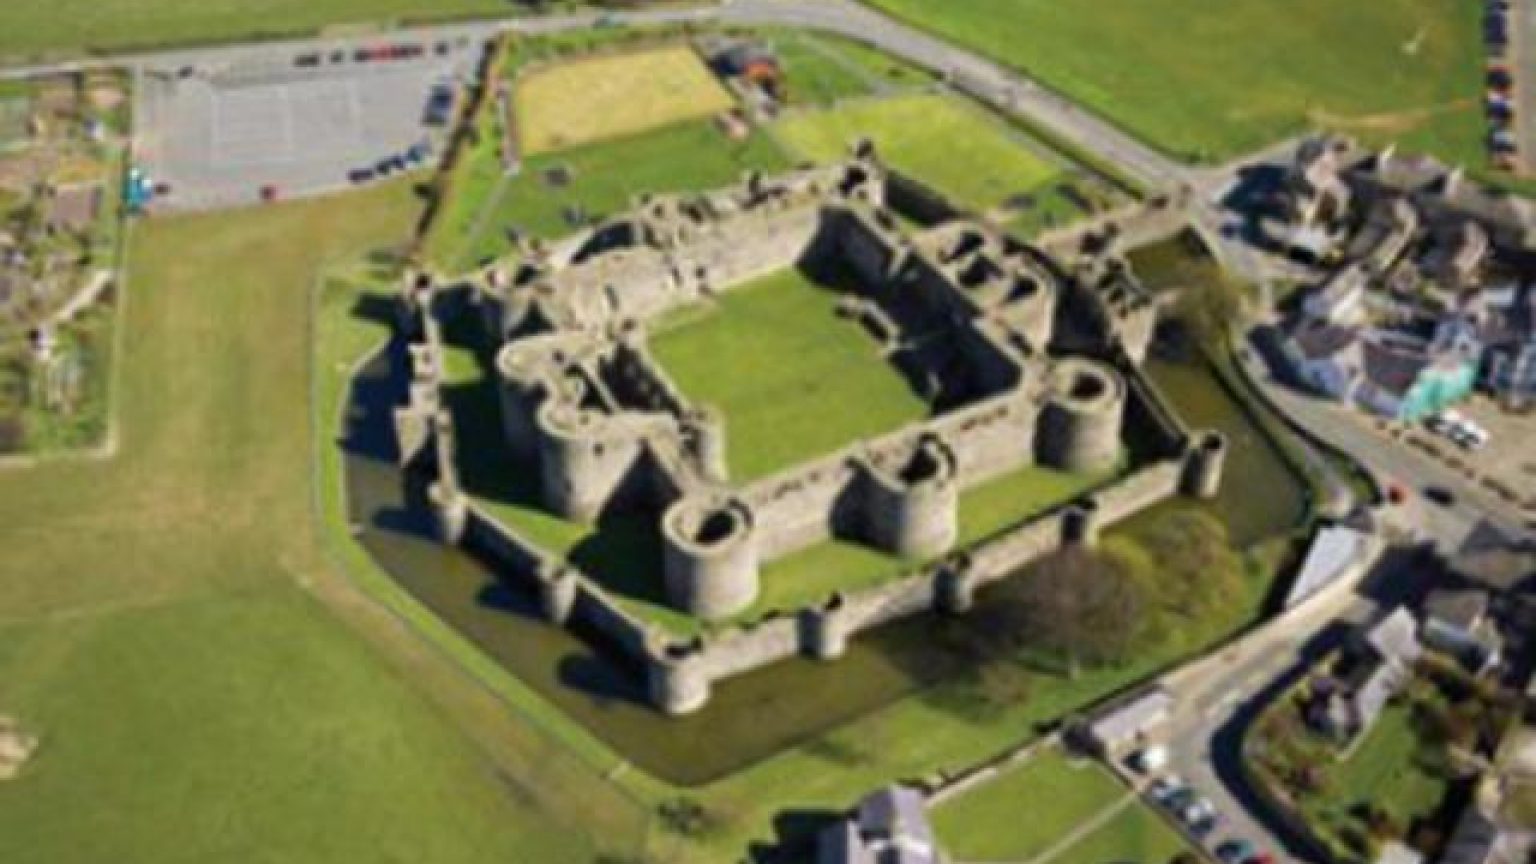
x=440, y=104
x=1165, y=786
x=1236, y=851
x=1440, y=495
x=360, y=175
x=1261, y=858
x=305, y=61
x=1149, y=760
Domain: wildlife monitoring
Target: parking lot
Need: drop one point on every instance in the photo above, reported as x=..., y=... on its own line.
x=219, y=129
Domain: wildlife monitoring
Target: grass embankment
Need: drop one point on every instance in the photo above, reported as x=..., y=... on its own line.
x=556, y=193
x=1202, y=84
x=194, y=702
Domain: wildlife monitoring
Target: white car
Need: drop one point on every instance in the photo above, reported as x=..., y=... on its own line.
x=1166, y=786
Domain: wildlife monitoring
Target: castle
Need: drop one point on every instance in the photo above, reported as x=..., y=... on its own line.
x=968, y=316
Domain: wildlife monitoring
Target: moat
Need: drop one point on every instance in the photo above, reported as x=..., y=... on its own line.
x=755, y=715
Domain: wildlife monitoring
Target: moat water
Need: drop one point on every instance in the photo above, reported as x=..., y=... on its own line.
x=752, y=716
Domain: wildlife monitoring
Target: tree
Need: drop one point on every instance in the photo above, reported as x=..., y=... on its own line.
x=1210, y=306
x=1197, y=569
x=1086, y=606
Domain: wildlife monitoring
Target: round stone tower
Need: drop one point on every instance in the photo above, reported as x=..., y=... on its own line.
x=519, y=372
x=1203, y=464
x=706, y=431
x=710, y=555
x=676, y=680
x=1081, y=523
x=557, y=593
x=580, y=465
x=913, y=502
x=1080, y=424
x=824, y=629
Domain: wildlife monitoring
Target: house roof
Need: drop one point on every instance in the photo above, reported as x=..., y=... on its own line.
x=1459, y=607
x=1395, y=637
x=1391, y=368
x=1495, y=560
x=1333, y=549
x=1131, y=718
x=899, y=816
x=1316, y=340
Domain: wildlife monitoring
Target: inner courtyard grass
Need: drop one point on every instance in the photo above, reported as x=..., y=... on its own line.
x=194, y=701
x=791, y=378
x=607, y=96
x=1208, y=83
x=1027, y=810
x=937, y=139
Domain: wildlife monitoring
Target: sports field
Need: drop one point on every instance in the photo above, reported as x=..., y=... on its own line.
x=940, y=140
x=612, y=95
x=1206, y=81
x=795, y=372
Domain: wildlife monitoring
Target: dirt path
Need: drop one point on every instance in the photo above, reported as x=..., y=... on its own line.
x=1396, y=122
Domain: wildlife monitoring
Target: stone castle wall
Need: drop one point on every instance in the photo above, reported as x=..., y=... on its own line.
x=610, y=430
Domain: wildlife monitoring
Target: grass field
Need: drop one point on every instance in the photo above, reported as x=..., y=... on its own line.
x=1027, y=810
x=31, y=28
x=1136, y=836
x=194, y=703
x=1204, y=83
x=603, y=180
x=784, y=370
x=606, y=96
x=937, y=139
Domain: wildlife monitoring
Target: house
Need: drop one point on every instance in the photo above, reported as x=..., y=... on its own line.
x=1406, y=382
x=1326, y=357
x=1337, y=556
x=1129, y=724
x=1340, y=299
x=1458, y=622
x=1346, y=704
x=888, y=827
x=1456, y=257
x=1496, y=561
x=1509, y=331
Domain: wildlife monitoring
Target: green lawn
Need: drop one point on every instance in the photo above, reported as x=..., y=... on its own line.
x=1026, y=811
x=1206, y=81
x=603, y=180
x=1136, y=836
x=784, y=370
x=194, y=700
x=1391, y=768
x=940, y=140
x=31, y=28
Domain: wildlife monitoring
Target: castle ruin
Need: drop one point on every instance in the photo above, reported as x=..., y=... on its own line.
x=966, y=314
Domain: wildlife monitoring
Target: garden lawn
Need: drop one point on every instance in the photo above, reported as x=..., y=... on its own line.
x=608, y=96
x=194, y=703
x=1027, y=810
x=1386, y=770
x=1206, y=81
x=937, y=139
x=792, y=379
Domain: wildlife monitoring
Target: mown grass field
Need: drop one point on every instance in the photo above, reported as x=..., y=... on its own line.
x=604, y=96
x=785, y=372
x=1208, y=82
x=1027, y=810
x=937, y=139
x=194, y=701
x=30, y=28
